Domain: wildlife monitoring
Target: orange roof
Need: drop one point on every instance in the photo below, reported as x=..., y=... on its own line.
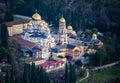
x=23, y=42
x=15, y=22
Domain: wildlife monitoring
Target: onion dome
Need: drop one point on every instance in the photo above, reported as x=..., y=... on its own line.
x=62, y=20
x=30, y=23
x=47, y=30
x=73, y=33
x=40, y=21
x=64, y=59
x=36, y=16
x=94, y=35
x=41, y=24
x=69, y=28
x=46, y=24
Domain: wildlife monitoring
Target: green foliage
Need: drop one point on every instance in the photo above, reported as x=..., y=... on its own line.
x=67, y=73
x=95, y=30
x=70, y=75
x=82, y=72
x=109, y=75
x=99, y=58
x=81, y=14
x=78, y=62
x=6, y=69
x=34, y=75
x=4, y=35
x=3, y=53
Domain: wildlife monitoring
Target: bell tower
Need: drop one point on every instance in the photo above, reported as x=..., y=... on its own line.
x=62, y=34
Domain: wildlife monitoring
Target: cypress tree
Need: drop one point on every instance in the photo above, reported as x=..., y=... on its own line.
x=16, y=80
x=6, y=78
x=26, y=74
x=12, y=75
x=4, y=36
x=72, y=74
x=33, y=75
x=66, y=73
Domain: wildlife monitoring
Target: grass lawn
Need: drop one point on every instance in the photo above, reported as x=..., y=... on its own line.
x=108, y=74
x=104, y=75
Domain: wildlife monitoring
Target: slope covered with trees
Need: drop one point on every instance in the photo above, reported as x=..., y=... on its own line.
x=81, y=14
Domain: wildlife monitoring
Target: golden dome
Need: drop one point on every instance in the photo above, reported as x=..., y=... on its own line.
x=73, y=33
x=48, y=30
x=46, y=24
x=64, y=59
x=69, y=28
x=94, y=35
x=30, y=23
x=43, y=21
x=36, y=16
x=40, y=21
x=62, y=20
x=41, y=24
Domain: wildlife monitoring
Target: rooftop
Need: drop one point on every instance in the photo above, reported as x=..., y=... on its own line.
x=23, y=42
x=16, y=22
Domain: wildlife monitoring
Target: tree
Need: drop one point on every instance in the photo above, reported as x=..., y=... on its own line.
x=4, y=35
x=66, y=73
x=70, y=76
x=8, y=78
x=95, y=30
x=8, y=16
x=33, y=75
x=102, y=56
x=3, y=53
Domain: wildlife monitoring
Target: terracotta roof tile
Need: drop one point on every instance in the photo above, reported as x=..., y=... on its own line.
x=23, y=42
x=15, y=22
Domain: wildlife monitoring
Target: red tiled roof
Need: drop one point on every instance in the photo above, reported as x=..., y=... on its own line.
x=15, y=22
x=23, y=42
x=51, y=63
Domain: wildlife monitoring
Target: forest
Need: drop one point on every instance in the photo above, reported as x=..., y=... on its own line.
x=81, y=14
x=84, y=15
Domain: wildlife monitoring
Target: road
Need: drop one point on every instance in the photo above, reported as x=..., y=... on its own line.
x=87, y=75
x=105, y=66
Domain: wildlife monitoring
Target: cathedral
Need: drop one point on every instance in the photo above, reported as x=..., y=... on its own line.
x=37, y=31
x=38, y=41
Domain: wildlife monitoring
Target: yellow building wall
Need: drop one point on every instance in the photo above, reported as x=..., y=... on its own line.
x=16, y=29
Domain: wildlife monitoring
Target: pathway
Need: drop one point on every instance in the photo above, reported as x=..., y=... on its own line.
x=105, y=66
x=84, y=77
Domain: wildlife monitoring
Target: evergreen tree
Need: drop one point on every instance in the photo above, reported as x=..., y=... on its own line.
x=70, y=76
x=9, y=16
x=33, y=73
x=12, y=75
x=4, y=35
x=16, y=80
x=6, y=78
x=66, y=73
